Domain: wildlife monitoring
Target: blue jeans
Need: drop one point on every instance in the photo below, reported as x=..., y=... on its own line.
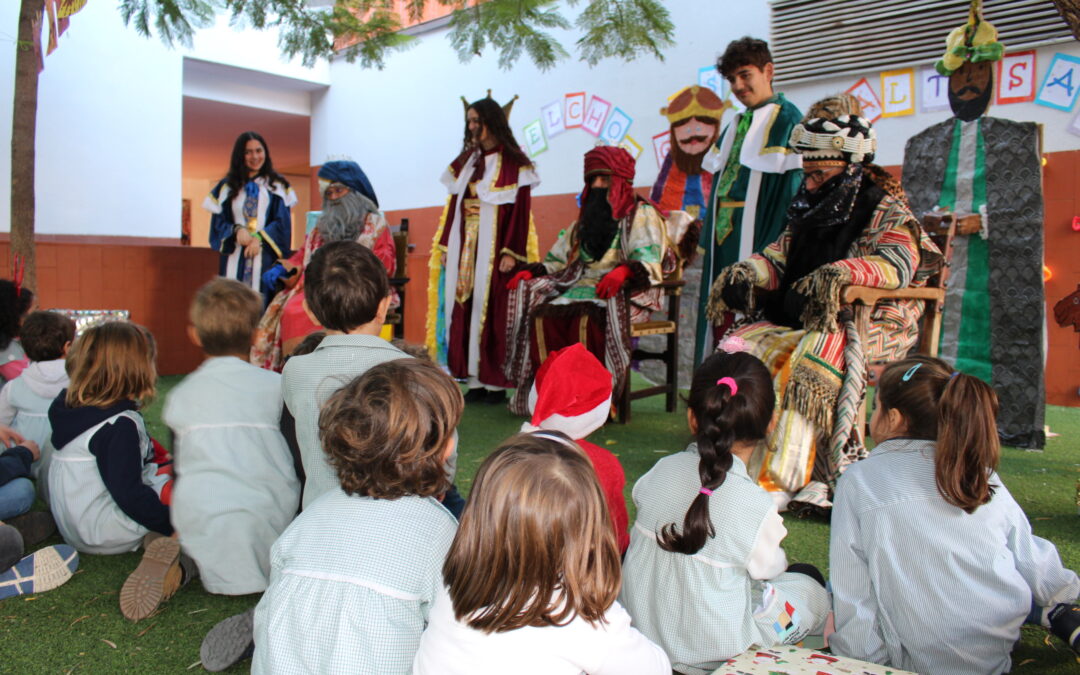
x=16, y=498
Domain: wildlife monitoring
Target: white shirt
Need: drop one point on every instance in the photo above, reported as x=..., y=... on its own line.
x=918, y=583
x=450, y=647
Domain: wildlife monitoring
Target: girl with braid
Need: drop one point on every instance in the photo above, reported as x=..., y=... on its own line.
x=705, y=576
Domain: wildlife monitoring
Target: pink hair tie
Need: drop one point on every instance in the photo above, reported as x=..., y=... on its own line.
x=730, y=383
x=705, y=491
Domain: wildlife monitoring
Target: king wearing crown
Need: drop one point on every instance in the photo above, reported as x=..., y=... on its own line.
x=485, y=232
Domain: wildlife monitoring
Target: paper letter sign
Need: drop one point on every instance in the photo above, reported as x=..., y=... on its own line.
x=595, y=115
x=708, y=77
x=616, y=127
x=630, y=145
x=898, y=92
x=1061, y=84
x=575, y=110
x=871, y=104
x=534, y=138
x=935, y=90
x=661, y=144
x=1016, y=78
x=552, y=116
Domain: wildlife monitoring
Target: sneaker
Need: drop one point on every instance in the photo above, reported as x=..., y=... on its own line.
x=1065, y=623
x=11, y=547
x=155, y=580
x=229, y=642
x=42, y=570
x=34, y=526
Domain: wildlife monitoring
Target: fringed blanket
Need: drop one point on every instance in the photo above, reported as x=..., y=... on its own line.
x=528, y=300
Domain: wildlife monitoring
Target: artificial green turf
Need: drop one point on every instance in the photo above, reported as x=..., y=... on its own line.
x=78, y=627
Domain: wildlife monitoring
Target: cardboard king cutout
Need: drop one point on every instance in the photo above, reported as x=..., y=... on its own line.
x=973, y=164
x=694, y=114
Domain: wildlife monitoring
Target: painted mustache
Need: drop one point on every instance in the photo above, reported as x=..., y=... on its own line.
x=968, y=91
x=694, y=139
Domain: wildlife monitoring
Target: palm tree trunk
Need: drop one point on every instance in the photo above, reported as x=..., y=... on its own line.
x=23, y=133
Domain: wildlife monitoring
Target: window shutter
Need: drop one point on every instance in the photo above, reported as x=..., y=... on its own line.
x=815, y=39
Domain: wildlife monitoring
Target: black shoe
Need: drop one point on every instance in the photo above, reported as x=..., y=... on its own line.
x=478, y=395
x=495, y=397
x=34, y=526
x=1065, y=623
x=229, y=642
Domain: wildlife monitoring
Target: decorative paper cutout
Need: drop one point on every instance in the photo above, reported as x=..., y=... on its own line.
x=661, y=144
x=708, y=77
x=934, y=94
x=1016, y=78
x=630, y=145
x=868, y=99
x=1061, y=84
x=552, y=117
x=898, y=92
x=618, y=123
x=575, y=110
x=534, y=138
x=595, y=115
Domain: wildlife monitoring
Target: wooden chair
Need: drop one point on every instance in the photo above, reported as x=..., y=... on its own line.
x=668, y=326
x=396, y=317
x=942, y=228
x=672, y=287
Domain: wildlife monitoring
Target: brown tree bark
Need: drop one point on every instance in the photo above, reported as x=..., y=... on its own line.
x=23, y=133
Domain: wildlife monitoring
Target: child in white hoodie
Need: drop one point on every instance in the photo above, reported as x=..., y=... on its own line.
x=25, y=400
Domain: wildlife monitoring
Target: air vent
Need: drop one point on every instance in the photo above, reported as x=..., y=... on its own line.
x=815, y=39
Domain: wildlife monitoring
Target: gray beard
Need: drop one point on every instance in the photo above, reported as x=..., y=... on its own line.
x=343, y=219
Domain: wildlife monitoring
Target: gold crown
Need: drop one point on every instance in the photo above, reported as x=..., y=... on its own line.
x=695, y=101
x=507, y=107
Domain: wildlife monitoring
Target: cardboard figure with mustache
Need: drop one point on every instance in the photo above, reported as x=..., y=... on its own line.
x=974, y=164
x=695, y=114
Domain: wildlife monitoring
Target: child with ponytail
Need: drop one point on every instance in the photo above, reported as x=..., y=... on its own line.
x=933, y=564
x=705, y=576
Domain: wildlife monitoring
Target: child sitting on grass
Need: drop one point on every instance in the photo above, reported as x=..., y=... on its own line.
x=933, y=563
x=571, y=394
x=353, y=578
x=705, y=576
x=348, y=292
x=107, y=490
x=24, y=402
x=235, y=489
x=15, y=302
x=532, y=575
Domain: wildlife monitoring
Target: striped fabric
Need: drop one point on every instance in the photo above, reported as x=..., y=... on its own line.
x=351, y=583
x=819, y=393
x=907, y=569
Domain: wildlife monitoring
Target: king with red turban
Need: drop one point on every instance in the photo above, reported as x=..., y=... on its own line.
x=599, y=276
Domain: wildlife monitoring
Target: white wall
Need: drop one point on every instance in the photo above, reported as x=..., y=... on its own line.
x=404, y=124
x=109, y=121
x=893, y=132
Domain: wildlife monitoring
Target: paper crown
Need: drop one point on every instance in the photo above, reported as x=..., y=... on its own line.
x=507, y=107
x=975, y=41
x=695, y=101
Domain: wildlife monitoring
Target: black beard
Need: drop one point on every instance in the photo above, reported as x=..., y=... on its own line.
x=968, y=110
x=598, y=227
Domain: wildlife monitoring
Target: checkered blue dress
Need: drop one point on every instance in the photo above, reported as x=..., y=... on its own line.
x=351, y=583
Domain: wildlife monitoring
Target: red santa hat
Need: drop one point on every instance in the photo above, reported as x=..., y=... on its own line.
x=571, y=393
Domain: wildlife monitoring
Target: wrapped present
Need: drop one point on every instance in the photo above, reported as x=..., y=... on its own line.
x=787, y=660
